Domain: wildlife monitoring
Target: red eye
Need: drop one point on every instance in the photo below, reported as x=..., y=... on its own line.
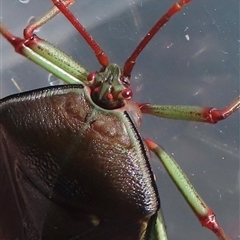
x=127, y=93
x=91, y=76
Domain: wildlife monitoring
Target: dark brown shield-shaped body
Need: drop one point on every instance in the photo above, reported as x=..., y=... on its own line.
x=72, y=170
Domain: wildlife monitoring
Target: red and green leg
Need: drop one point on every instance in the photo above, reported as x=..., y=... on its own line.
x=191, y=113
x=205, y=215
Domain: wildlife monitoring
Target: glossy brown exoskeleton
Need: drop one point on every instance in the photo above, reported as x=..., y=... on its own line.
x=74, y=164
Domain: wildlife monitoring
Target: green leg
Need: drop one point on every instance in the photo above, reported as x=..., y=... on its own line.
x=202, y=211
x=45, y=54
x=49, y=57
x=29, y=30
x=156, y=229
x=161, y=226
x=191, y=113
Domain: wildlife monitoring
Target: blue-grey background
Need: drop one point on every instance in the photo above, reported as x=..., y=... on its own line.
x=194, y=60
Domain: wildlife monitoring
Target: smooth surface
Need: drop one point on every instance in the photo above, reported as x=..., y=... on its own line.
x=194, y=60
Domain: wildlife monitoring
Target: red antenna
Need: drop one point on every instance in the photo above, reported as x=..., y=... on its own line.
x=100, y=54
x=129, y=64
